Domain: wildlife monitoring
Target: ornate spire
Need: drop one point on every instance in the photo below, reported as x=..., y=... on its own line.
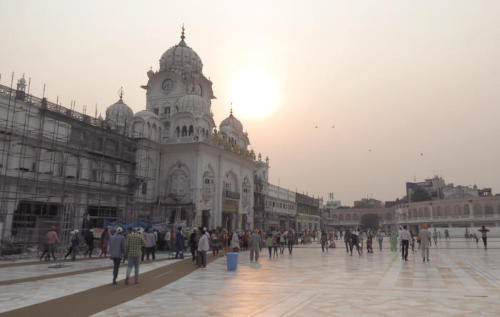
x=120, y=93
x=231, y=111
x=182, y=43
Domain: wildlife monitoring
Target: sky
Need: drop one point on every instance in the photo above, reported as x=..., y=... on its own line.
x=398, y=90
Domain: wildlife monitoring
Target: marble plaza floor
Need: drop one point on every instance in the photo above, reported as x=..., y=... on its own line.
x=28, y=293
x=460, y=280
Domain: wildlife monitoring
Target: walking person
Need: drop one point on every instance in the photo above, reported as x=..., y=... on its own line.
x=269, y=244
x=282, y=238
x=193, y=243
x=425, y=242
x=104, y=243
x=275, y=245
x=476, y=239
x=168, y=245
x=89, y=240
x=404, y=237
x=290, y=240
x=75, y=243
x=324, y=242
x=116, y=250
x=380, y=236
x=355, y=241
x=133, y=251
x=150, y=245
x=179, y=243
x=484, y=231
x=216, y=242
x=369, y=242
x=203, y=247
x=435, y=237
x=254, y=245
x=348, y=241
x=51, y=239
x=394, y=241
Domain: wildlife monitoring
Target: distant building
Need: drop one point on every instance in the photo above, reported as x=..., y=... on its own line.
x=368, y=203
x=433, y=186
x=308, y=213
x=437, y=189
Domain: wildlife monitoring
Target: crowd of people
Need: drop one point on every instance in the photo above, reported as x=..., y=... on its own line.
x=136, y=244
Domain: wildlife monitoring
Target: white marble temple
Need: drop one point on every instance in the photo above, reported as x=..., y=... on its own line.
x=460, y=280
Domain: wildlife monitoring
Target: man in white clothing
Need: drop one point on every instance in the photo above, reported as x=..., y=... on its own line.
x=203, y=247
x=405, y=237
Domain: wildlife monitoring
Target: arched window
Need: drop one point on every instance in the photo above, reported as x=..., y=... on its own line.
x=153, y=132
x=178, y=131
x=458, y=212
x=184, y=131
x=191, y=130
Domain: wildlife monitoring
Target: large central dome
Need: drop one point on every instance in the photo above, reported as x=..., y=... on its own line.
x=181, y=58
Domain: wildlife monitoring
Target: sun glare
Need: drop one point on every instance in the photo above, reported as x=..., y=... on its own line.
x=253, y=94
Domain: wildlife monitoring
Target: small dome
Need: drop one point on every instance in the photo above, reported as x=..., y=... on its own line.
x=193, y=103
x=181, y=58
x=119, y=113
x=146, y=115
x=233, y=123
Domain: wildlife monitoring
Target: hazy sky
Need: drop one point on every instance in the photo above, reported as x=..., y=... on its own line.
x=398, y=78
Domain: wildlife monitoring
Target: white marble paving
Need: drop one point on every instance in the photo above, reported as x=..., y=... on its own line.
x=29, y=293
x=47, y=268
x=459, y=281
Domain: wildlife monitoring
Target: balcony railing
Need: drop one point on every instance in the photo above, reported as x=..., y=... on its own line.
x=231, y=195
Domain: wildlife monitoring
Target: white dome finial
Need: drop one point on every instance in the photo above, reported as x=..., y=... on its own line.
x=182, y=37
x=120, y=93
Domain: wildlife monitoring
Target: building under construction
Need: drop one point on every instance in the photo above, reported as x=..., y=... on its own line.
x=62, y=168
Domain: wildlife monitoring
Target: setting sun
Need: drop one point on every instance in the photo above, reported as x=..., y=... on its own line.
x=253, y=94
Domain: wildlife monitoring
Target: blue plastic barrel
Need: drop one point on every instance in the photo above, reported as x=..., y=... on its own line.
x=232, y=261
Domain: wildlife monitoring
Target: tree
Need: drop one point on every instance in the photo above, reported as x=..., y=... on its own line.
x=420, y=194
x=370, y=221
